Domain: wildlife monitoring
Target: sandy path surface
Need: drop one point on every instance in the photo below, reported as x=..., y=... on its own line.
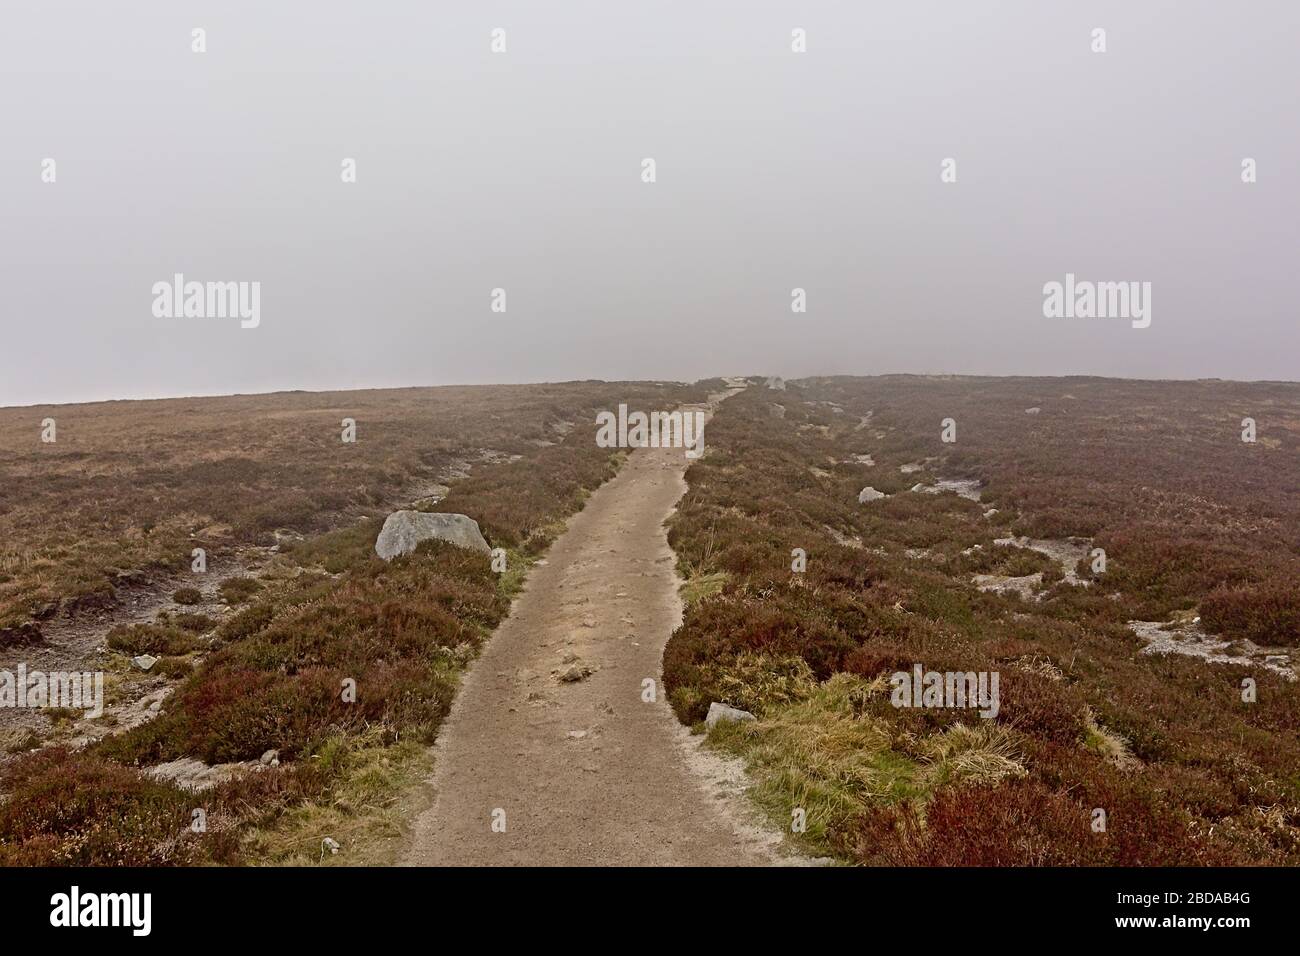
x=586, y=772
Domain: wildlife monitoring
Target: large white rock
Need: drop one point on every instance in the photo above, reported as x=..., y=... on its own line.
x=868, y=494
x=404, y=530
x=719, y=712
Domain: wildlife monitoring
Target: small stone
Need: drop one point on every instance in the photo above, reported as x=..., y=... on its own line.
x=868, y=494
x=271, y=758
x=144, y=661
x=574, y=673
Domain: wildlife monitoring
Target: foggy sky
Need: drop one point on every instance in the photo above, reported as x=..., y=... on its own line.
x=523, y=171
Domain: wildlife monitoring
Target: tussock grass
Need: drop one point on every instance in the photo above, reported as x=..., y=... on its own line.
x=697, y=587
x=819, y=755
x=364, y=809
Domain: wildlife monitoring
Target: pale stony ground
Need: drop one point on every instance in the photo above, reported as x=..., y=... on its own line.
x=77, y=643
x=1187, y=637
x=584, y=770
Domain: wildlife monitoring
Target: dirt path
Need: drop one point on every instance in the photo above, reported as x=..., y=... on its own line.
x=586, y=772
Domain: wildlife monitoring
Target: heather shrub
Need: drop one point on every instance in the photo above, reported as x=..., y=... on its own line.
x=239, y=589
x=156, y=639
x=1186, y=771
x=187, y=596
x=75, y=810
x=1267, y=614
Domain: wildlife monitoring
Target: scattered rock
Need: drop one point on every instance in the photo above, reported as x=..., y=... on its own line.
x=329, y=845
x=405, y=530
x=270, y=759
x=840, y=537
x=1174, y=638
x=1067, y=552
x=1033, y=411
x=577, y=671
x=868, y=494
x=190, y=774
x=1025, y=586
x=433, y=493
x=968, y=488
x=144, y=662
x=719, y=712
x=775, y=382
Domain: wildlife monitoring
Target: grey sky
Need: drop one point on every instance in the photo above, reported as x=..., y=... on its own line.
x=522, y=170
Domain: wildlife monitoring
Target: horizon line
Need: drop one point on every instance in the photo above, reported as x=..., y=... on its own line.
x=569, y=381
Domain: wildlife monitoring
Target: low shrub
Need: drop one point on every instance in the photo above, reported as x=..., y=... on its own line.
x=155, y=639
x=187, y=596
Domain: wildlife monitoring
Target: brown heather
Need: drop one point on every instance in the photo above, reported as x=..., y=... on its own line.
x=129, y=482
x=1193, y=520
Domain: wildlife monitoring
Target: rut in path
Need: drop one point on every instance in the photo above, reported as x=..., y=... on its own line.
x=585, y=772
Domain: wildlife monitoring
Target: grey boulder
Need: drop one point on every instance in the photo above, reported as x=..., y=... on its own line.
x=719, y=712
x=404, y=530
